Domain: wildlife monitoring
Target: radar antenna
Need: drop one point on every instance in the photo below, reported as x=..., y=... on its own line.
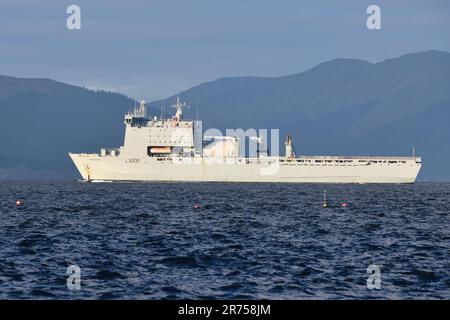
x=139, y=111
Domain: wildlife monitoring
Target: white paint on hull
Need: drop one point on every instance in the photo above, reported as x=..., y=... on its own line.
x=299, y=170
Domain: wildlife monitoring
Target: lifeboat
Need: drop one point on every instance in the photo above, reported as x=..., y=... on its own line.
x=160, y=150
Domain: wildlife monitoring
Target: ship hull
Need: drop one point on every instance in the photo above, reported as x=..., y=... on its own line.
x=299, y=170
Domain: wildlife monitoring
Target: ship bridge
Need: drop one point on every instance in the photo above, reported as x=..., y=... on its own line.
x=158, y=137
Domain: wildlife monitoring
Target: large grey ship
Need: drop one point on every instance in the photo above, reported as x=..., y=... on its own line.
x=174, y=149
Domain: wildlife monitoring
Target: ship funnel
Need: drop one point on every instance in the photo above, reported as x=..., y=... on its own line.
x=290, y=153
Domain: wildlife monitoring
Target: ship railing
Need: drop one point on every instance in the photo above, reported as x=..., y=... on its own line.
x=260, y=160
x=359, y=157
x=221, y=160
x=109, y=152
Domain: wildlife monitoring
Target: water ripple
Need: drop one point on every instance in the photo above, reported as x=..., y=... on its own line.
x=246, y=241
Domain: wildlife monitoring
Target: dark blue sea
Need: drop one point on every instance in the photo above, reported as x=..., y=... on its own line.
x=246, y=241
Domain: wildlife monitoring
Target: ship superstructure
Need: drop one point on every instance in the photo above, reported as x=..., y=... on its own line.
x=174, y=149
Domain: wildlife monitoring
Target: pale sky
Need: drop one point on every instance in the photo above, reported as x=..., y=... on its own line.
x=153, y=49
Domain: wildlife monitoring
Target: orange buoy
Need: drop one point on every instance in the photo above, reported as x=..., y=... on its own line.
x=18, y=203
x=345, y=204
x=196, y=206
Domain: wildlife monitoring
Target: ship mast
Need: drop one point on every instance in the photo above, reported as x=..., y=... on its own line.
x=179, y=106
x=142, y=109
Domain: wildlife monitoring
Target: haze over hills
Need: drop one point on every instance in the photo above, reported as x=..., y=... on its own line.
x=342, y=107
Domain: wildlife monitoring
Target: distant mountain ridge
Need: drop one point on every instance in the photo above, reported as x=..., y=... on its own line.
x=342, y=107
x=41, y=120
